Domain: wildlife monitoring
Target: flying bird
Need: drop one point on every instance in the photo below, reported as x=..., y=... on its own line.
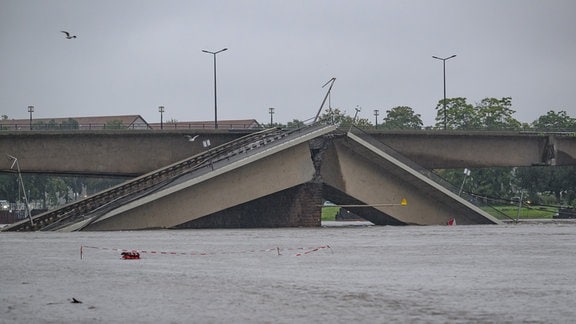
x=68, y=34
x=191, y=138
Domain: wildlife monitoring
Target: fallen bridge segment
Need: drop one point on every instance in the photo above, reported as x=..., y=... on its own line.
x=370, y=171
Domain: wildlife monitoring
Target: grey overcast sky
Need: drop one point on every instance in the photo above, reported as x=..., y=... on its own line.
x=133, y=55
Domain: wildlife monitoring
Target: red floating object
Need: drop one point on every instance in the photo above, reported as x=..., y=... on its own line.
x=130, y=255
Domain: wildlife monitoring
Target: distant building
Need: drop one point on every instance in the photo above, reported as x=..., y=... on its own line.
x=118, y=122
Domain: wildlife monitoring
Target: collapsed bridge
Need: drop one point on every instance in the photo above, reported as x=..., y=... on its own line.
x=272, y=178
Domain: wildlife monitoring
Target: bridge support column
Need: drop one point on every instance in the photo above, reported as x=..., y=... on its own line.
x=295, y=207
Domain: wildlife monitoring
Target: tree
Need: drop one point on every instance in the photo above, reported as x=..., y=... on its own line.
x=53, y=125
x=459, y=115
x=295, y=123
x=558, y=181
x=39, y=125
x=9, y=188
x=496, y=114
x=75, y=185
x=494, y=182
x=401, y=117
x=555, y=121
x=3, y=118
x=70, y=124
x=47, y=189
x=94, y=185
x=273, y=125
x=336, y=116
x=489, y=114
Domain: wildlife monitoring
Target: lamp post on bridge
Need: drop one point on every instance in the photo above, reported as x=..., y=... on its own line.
x=215, y=97
x=271, y=112
x=444, y=70
x=161, y=110
x=30, y=110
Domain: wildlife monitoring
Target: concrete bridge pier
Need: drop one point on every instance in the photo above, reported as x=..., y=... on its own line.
x=293, y=207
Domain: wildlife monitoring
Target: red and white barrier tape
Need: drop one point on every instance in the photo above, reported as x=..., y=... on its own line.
x=278, y=250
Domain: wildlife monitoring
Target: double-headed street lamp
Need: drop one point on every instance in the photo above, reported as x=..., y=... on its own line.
x=161, y=110
x=444, y=69
x=215, y=97
x=30, y=110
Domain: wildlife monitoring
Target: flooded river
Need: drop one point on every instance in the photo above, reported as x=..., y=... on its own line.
x=336, y=274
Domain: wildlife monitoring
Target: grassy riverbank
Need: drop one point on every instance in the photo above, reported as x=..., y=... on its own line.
x=329, y=212
x=529, y=212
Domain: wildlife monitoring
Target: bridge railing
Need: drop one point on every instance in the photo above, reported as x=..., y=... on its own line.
x=477, y=200
x=14, y=126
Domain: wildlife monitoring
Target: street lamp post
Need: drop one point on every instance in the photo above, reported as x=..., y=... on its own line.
x=358, y=109
x=215, y=97
x=376, y=114
x=466, y=174
x=271, y=112
x=444, y=70
x=30, y=110
x=161, y=110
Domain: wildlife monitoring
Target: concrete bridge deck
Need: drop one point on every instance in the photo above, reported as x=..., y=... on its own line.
x=269, y=179
x=133, y=153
